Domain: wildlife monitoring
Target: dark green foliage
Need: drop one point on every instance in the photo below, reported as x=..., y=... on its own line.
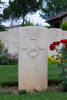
x=2, y=28
x=28, y=23
x=1, y=18
x=47, y=90
x=47, y=27
x=6, y=60
x=52, y=8
x=9, y=14
x=35, y=91
x=27, y=6
x=64, y=26
x=1, y=15
x=21, y=92
x=64, y=67
x=6, y=92
x=20, y=8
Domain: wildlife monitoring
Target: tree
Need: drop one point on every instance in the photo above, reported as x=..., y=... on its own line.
x=1, y=17
x=52, y=8
x=9, y=13
x=28, y=23
x=20, y=8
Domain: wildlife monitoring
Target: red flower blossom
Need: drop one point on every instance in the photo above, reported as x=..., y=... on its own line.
x=66, y=45
x=52, y=47
x=64, y=41
x=56, y=43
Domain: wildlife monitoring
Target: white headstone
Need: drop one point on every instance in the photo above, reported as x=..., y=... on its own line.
x=33, y=51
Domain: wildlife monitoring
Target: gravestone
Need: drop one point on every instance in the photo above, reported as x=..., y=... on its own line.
x=33, y=51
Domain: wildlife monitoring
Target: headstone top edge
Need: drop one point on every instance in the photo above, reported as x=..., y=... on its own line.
x=33, y=27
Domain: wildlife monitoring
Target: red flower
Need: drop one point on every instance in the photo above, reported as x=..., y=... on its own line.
x=56, y=43
x=64, y=41
x=66, y=45
x=52, y=47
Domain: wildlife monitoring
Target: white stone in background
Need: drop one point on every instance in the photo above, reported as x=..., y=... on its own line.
x=55, y=35
x=13, y=40
x=10, y=38
x=33, y=51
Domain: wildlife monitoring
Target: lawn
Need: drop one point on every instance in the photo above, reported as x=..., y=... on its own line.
x=43, y=96
x=54, y=72
x=9, y=73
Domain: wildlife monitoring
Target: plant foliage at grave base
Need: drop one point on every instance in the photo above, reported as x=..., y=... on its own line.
x=6, y=92
x=63, y=57
x=21, y=92
x=2, y=28
x=53, y=60
x=64, y=26
x=64, y=62
x=5, y=57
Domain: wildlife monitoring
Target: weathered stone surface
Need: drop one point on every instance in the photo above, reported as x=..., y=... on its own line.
x=33, y=51
x=55, y=35
x=10, y=38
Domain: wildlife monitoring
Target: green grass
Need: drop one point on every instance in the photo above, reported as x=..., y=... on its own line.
x=6, y=92
x=43, y=96
x=9, y=73
x=54, y=72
